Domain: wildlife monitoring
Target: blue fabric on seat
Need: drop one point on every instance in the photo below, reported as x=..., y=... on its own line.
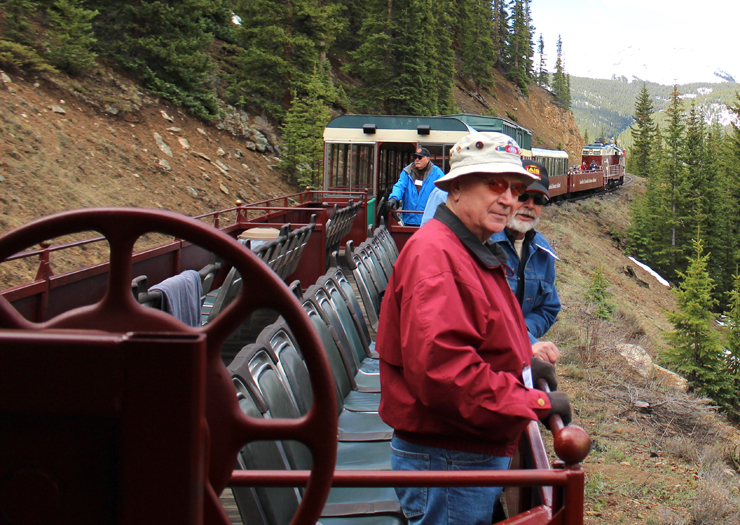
x=182, y=296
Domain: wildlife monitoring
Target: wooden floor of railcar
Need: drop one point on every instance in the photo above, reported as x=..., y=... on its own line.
x=227, y=500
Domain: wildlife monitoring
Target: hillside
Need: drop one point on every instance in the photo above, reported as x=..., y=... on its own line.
x=90, y=142
x=608, y=105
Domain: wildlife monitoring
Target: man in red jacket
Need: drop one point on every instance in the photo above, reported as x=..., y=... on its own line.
x=456, y=365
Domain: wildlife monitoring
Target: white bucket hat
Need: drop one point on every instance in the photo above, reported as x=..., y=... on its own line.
x=485, y=153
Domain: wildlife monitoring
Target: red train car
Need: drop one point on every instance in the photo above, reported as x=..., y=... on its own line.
x=608, y=159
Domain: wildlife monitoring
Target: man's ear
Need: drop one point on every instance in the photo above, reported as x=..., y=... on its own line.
x=454, y=189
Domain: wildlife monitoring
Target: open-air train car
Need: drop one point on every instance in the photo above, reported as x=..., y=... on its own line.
x=114, y=411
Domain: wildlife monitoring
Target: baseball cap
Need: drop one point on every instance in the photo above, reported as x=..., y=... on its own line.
x=537, y=168
x=422, y=152
x=489, y=152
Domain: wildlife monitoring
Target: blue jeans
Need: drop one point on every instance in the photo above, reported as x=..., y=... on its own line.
x=445, y=505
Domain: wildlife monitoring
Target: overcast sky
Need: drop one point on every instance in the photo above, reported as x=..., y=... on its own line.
x=663, y=41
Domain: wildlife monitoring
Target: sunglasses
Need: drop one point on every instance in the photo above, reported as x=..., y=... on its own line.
x=538, y=198
x=499, y=186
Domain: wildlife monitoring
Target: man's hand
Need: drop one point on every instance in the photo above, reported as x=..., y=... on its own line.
x=546, y=351
x=392, y=204
x=543, y=369
x=560, y=406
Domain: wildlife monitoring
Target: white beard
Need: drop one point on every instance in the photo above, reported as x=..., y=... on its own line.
x=522, y=226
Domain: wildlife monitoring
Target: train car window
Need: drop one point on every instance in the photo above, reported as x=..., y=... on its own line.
x=349, y=166
x=364, y=166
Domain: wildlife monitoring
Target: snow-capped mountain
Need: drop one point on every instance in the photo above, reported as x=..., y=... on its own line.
x=679, y=65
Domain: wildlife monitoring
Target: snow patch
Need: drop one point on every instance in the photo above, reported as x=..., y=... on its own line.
x=651, y=272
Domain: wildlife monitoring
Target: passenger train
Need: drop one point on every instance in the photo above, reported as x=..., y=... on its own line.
x=117, y=407
x=369, y=151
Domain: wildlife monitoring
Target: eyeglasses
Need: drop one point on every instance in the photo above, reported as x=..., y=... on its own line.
x=419, y=157
x=499, y=186
x=538, y=198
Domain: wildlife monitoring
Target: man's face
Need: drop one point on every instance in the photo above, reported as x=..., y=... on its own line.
x=483, y=211
x=526, y=214
x=420, y=162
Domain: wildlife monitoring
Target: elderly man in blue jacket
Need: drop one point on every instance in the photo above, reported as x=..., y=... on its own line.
x=533, y=281
x=414, y=185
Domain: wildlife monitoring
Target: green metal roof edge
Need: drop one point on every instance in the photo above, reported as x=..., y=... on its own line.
x=439, y=123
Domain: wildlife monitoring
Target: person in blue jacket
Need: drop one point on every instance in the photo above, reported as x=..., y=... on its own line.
x=414, y=185
x=533, y=283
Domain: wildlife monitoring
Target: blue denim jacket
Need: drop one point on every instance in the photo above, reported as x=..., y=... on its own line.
x=405, y=190
x=541, y=303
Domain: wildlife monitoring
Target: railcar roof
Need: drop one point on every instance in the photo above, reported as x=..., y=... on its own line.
x=396, y=122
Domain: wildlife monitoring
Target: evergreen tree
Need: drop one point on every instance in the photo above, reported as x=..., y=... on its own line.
x=721, y=213
x=281, y=46
x=478, y=53
x=443, y=29
x=585, y=137
x=543, y=77
x=501, y=32
x=303, y=130
x=15, y=21
x=695, y=351
x=71, y=36
x=673, y=176
x=164, y=44
x=598, y=294
x=519, y=49
x=642, y=134
x=560, y=81
x=732, y=340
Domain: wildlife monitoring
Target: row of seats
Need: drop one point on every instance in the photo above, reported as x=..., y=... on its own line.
x=272, y=381
x=281, y=254
x=339, y=225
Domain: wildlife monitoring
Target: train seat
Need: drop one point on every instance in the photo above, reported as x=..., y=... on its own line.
x=337, y=275
x=382, y=233
x=277, y=505
x=353, y=400
x=256, y=361
x=377, y=255
x=369, y=293
x=353, y=426
x=359, y=345
x=348, y=340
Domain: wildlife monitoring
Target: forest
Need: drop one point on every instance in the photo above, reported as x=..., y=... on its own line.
x=686, y=227
x=603, y=108
x=298, y=62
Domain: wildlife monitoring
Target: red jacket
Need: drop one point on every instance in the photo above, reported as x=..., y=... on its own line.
x=452, y=344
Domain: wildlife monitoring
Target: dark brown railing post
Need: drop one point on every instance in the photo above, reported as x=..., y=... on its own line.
x=216, y=221
x=574, y=494
x=43, y=273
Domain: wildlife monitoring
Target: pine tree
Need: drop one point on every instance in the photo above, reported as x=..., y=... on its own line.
x=478, y=53
x=695, y=351
x=15, y=24
x=303, y=129
x=721, y=212
x=598, y=294
x=501, y=32
x=560, y=80
x=672, y=174
x=281, y=46
x=519, y=49
x=71, y=36
x=443, y=29
x=164, y=44
x=642, y=134
x=732, y=340
x=543, y=77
